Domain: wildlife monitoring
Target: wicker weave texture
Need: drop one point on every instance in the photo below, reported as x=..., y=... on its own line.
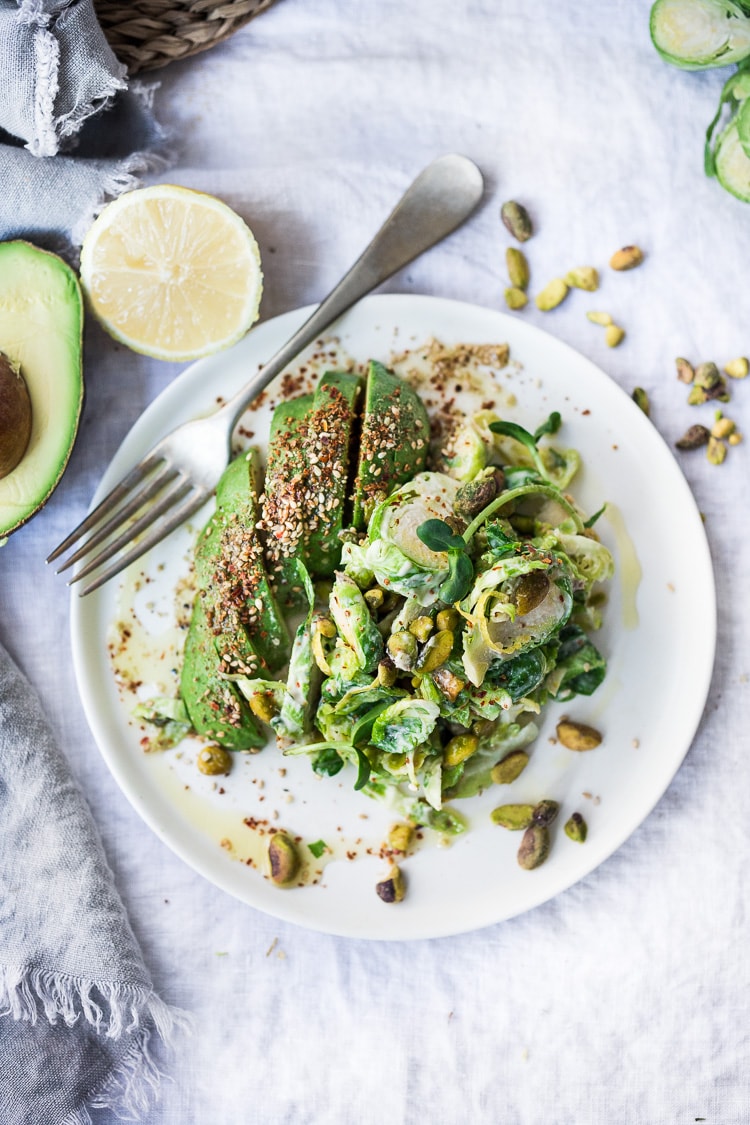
x=147, y=34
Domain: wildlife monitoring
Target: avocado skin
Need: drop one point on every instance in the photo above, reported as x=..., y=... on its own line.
x=306, y=480
x=229, y=569
x=216, y=709
x=394, y=415
x=41, y=318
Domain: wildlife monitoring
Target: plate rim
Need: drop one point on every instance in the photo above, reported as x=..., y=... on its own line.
x=204, y=867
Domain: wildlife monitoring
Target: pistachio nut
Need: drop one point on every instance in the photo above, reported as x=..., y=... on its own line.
x=393, y=888
x=576, y=828
x=722, y=428
x=518, y=268
x=693, y=438
x=577, y=736
x=534, y=847
x=530, y=591
x=325, y=627
x=214, y=760
x=374, y=598
x=387, y=674
x=262, y=705
x=401, y=836
x=474, y=496
x=402, y=649
x=627, y=258
x=421, y=627
x=545, y=813
x=511, y=767
x=737, y=368
x=716, y=451
x=640, y=398
x=513, y=817
x=602, y=318
x=436, y=651
x=448, y=683
x=583, y=277
x=516, y=219
x=447, y=618
x=685, y=370
x=613, y=335
x=697, y=396
x=735, y=438
x=460, y=747
x=552, y=295
x=516, y=298
x=283, y=859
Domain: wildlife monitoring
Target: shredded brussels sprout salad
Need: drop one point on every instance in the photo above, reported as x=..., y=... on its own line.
x=463, y=603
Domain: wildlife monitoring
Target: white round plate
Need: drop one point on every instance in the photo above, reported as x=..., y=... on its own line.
x=658, y=637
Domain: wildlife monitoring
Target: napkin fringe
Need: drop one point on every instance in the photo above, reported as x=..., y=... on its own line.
x=50, y=130
x=112, y=1010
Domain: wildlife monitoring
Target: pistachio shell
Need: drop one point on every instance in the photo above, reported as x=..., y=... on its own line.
x=602, y=318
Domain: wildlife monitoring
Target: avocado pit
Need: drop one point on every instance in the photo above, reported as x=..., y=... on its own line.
x=15, y=416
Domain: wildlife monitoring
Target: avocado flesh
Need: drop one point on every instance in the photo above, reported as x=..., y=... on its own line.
x=395, y=422
x=251, y=634
x=41, y=321
x=216, y=709
x=306, y=479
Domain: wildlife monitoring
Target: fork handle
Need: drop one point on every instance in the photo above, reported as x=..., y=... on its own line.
x=440, y=199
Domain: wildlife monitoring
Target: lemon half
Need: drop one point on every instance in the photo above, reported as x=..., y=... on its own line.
x=172, y=273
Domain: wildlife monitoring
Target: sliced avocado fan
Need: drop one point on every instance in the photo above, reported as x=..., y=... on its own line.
x=306, y=479
x=236, y=626
x=394, y=440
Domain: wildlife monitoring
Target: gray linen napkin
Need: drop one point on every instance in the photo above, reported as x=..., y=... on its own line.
x=63, y=94
x=78, y=1011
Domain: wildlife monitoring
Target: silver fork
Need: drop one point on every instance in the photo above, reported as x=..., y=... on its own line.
x=179, y=474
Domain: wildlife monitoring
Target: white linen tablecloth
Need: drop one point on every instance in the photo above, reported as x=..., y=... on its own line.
x=625, y=999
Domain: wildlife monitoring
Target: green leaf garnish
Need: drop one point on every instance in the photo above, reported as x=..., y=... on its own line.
x=328, y=762
x=318, y=848
x=363, y=773
x=551, y=426
x=592, y=519
x=440, y=536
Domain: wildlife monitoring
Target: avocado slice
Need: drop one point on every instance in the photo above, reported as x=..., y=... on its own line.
x=41, y=321
x=395, y=423
x=216, y=708
x=240, y=607
x=306, y=479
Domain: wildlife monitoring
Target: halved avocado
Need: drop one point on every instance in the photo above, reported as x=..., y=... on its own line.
x=250, y=631
x=41, y=322
x=394, y=442
x=306, y=479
